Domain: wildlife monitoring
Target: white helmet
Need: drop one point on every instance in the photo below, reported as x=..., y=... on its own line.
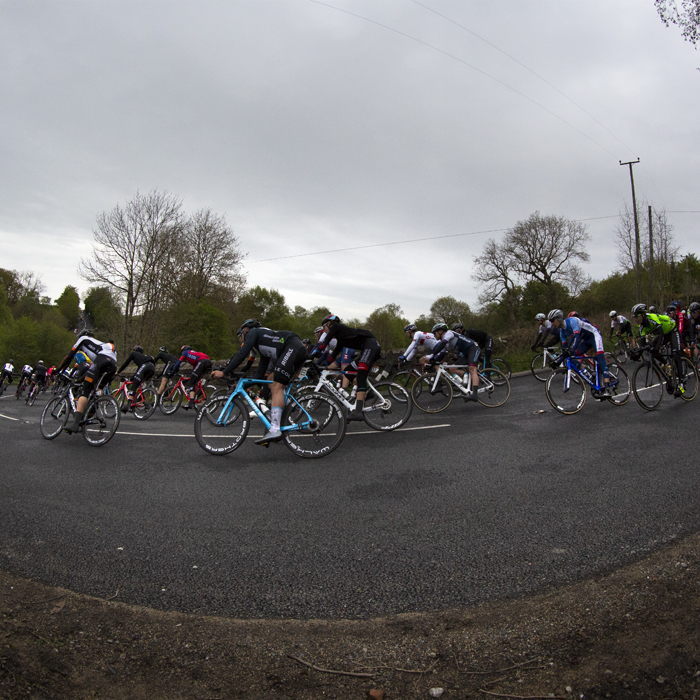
x=613, y=314
x=555, y=314
x=540, y=317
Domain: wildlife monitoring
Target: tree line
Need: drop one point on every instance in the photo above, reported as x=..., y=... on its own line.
x=160, y=276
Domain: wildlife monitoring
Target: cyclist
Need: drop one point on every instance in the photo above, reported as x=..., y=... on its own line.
x=347, y=355
x=145, y=370
x=7, y=371
x=357, y=339
x=24, y=378
x=418, y=339
x=102, y=368
x=82, y=365
x=481, y=338
x=468, y=351
x=169, y=360
x=623, y=326
x=282, y=353
x=664, y=331
x=693, y=316
x=39, y=376
x=200, y=363
x=577, y=337
x=545, y=329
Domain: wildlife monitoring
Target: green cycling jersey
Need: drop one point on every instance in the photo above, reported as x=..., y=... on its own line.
x=652, y=322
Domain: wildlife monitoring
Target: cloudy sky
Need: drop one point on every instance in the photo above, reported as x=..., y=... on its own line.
x=362, y=127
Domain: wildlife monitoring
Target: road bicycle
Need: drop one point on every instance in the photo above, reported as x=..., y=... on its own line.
x=498, y=363
x=433, y=392
x=145, y=399
x=653, y=376
x=312, y=425
x=3, y=383
x=621, y=350
x=387, y=405
x=100, y=420
x=33, y=392
x=173, y=396
x=566, y=386
x=544, y=363
x=20, y=389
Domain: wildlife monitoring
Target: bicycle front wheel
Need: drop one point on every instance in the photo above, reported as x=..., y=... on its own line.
x=54, y=417
x=690, y=381
x=405, y=379
x=540, y=368
x=648, y=386
x=170, y=400
x=565, y=391
x=502, y=366
x=145, y=405
x=387, y=406
x=319, y=425
x=222, y=425
x=620, y=352
x=432, y=395
x=31, y=397
x=493, y=389
x=620, y=385
x=101, y=420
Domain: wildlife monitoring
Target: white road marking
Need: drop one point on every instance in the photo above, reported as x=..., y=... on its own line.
x=2, y=415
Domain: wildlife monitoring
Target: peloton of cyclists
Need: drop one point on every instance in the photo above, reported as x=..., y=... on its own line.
x=547, y=335
x=623, y=327
x=468, y=352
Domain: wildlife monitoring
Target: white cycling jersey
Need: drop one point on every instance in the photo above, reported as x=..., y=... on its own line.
x=420, y=338
x=619, y=321
x=27, y=369
x=93, y=347
x=8, y=367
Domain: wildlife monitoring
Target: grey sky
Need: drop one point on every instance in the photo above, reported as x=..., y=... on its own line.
x=313, y=129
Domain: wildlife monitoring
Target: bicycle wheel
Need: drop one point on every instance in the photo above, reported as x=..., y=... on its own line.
x=690, y=381
x=565, y=391
x=387, y=406
x=502, y=366
x=145, y=405
x=321, y=422
x=432, y=395
x=101, y=420
x=648, y=386
x=620, y=352
x=493, y=389
x=31, y=396
x=540, y=367
x=405, y=380
x=170, y=400
x=121, y=399
x=54, y=417
x=620, y=385
x=222, y=425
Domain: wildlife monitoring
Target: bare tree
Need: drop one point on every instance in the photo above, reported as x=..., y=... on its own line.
x=133, y=246
x=687, y=18
x=494, y=270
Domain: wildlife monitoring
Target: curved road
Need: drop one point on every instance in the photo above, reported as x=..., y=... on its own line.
x=469, y=504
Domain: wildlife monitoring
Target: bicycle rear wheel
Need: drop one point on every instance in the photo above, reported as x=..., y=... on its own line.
x=31, y=397
x=565, y=391
x=170, y=400
x=222, y=425
x=620, y=385
x=620, y=352
x=690, y=381
x=145, y=404
x=405, y=379
x=648, y=386
x=321, y=425
x=540, y=367
x=502, y=366
x=432, y=395
x=493, y=389
x=101, y=420
x=54, y=417
x=387, y=406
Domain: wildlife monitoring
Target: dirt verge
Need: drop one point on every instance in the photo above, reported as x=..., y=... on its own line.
x=633, y=633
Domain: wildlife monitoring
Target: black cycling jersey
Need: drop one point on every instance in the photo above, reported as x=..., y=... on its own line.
x=267, y=343
x=482, y=338
x=354, y=338
x=138, y=358
x=164, y=357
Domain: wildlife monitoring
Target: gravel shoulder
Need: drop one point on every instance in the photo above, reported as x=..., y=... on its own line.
x=631, y=633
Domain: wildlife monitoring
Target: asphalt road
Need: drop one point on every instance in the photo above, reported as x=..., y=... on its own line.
x=462, y=506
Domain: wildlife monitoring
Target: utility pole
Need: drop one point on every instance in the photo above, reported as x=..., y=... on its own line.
x=651, y=260
x=636, y=227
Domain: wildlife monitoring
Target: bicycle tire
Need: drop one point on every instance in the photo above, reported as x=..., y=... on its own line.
x=387, y=406
x=495, y=389
x=648, y=386
x=101, y=420
x=620, y=352
x=405, y=379
x=431, y=397
x=540, y=368
x=502, y=366
x=54, y=417
x=690, y=383
x=170, y=400
x=145, y=406
x=620, y=385
x=565, y=400
x=323, y=435
x=222, y=425
x=31, y=396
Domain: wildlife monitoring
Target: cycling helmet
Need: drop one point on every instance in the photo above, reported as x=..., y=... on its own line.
x=88, y=333
x=250, y=323
x=331, y=318
x=410, y=327
x=639, y=309
x=613, y=314
x=671, y=309
x=318, y=329
x=555, y=314
x=458, y=326
x=138, y=348
x=162, y=348
x=652, y=309
x=306, y=341
x=185, y=348
x=41, y=362
x=573, y=314
x=694, y=307
x=439, y=327
x=540, y=317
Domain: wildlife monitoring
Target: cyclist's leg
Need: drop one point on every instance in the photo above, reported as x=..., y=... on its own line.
x=201, y=367
x=100, y=373
x=369, y=353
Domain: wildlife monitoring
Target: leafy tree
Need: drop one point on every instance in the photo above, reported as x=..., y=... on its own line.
x=69, y=306
x=266, y=305
x=103, y=311
x=449, y=310
x=387, y=324
x=687, y=17
x=201, y=325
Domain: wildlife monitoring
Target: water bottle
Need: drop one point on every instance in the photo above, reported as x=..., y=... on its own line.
x=260, y=403
x=353, y=393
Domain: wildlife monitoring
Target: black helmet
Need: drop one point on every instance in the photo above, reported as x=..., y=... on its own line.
x=138, y=348
x=41, y=362
x=331, y=318
x=671, y=309
x=185, y=348
x=162, y=348
x=694, y=307
x=250, y=323
x=439, y=327
x=459, y=325
x=88, y=333
x=639, y=309
x=410, y=327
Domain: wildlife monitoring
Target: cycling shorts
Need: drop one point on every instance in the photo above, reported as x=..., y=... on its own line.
x=292, y=358
x=200, y=368
x=169, y=370
x=144, y=372
x=100, y=373
x=471, y=357
x=346, y=356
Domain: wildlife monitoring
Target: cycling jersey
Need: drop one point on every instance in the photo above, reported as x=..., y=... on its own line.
x=357, y=339
x=420, y=338
x=453, y=341
x=92, y=348
x=546, y=329
x=164, y=357
x=26, y=370
x=623, y=325
x=8, y=368
x=657, y=324
x=138, y=358
x=192, y=357
x=579, y=330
